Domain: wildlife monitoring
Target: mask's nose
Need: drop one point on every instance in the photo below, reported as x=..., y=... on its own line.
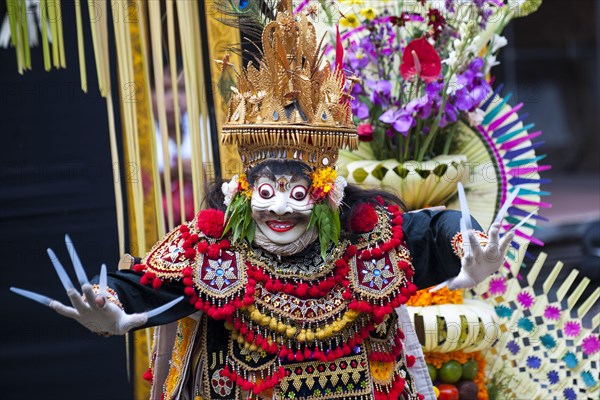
x=280, y=204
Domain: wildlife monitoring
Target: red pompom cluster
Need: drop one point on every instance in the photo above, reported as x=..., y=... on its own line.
x=265, y=384
x=316, y=289
x=364, y=218
x=394, y=392
x=394, y=352
x=379, y=311
x=201, y=304
x=211, y=222
x=149, y=278
x=213, y=251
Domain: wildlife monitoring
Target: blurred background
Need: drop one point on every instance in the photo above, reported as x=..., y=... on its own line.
x=56, y=178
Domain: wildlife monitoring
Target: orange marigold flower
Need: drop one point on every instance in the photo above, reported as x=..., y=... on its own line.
x=425, y=298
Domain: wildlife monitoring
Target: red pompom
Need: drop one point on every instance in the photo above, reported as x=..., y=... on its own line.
x=148, y=375
x=302, y=290
x=139, y=267
x=314, y=291
x=307, y=353
x=351, y=250
x=190, y=253
x=211, y=222
x=225, y=244
x=376, y=253
x=213, y=251
x=144, y=280
x=410, y=361
x=156, y=283
x=364, y=218
x=202, y=246
x=288, y=288
x=283, y=352
x=365, y=254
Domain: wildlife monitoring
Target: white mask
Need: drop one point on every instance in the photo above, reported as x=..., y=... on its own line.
x=282, y=208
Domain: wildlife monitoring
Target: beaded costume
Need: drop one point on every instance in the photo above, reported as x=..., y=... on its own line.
x=295, y=327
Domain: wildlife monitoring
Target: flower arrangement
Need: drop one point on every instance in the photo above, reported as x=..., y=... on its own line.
x=422, y=67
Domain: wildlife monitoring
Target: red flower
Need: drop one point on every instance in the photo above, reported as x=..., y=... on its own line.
x=421, y=59
x=211, y=222
x=436, y=21
x=401, y=20
x=365, y=132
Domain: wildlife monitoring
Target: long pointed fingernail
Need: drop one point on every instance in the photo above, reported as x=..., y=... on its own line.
x=60, y=270
x=79, y=270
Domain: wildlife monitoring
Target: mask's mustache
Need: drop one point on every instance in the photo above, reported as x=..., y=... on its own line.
x=294, y=218
x=306, y=207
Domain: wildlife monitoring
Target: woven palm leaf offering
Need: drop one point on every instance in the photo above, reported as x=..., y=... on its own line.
x=428, y=118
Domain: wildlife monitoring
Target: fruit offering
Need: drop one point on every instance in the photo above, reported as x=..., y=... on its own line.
x=454, y=380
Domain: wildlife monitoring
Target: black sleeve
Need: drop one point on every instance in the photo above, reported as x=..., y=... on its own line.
x=137, y=298
x=428, y=235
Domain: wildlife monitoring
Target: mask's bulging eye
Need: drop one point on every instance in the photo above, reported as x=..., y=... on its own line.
x=298, y=193
x=266, y=191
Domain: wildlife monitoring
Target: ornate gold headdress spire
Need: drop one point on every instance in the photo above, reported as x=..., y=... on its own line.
x=290, y=107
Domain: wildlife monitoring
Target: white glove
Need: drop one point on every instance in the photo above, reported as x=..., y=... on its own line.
x=479, y=262
x=94, y=312
x=98, y=315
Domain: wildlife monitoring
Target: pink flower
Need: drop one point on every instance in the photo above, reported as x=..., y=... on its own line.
x=590, y=345
x=552, y=313
x=525, y=299
x=420, y=59
x=365, y=132
x=497, y=286
x=572, y=329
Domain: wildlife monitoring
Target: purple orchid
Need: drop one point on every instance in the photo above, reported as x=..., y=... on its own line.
x=399, y=119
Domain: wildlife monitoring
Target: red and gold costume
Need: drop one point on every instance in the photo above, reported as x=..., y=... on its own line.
x=290, y=327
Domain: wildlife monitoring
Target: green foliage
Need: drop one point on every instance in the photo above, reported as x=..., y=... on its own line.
x=498, y=386
x=239, y=218
x=327, y=221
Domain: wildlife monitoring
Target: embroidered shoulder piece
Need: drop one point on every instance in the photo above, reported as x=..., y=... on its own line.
x=213, y=275
x=381, y=271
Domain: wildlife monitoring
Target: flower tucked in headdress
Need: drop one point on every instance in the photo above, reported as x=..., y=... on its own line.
x=327, y=184
x=238, y=183
x=323, y=180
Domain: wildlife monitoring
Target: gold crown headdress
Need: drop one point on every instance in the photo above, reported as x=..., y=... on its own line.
x=289, y=107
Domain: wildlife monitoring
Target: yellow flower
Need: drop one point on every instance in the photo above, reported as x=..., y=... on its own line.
x=244, y=186
x=369, y=13
x=350, y=20
x=352, y=2
x=322, y=181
